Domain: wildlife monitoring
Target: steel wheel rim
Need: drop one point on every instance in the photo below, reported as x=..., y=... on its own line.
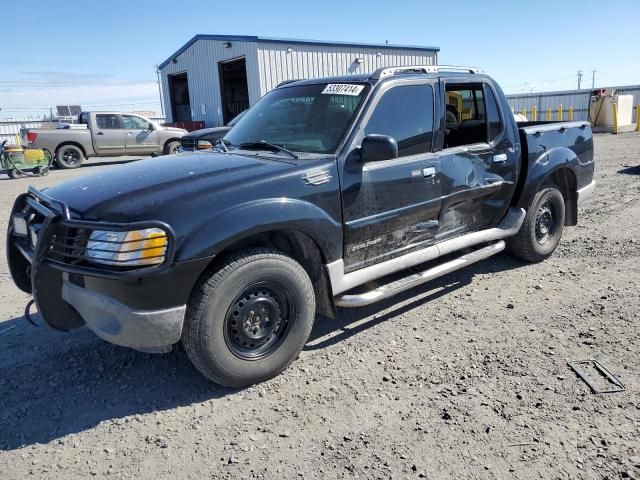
x=545, y=223
x=71, y=157
x=258, y=321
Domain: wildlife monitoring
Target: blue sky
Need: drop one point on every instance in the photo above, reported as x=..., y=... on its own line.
x=102, y=53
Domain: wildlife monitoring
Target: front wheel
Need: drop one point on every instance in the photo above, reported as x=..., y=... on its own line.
x=249, y=319
x=542, y=227
x=171, y=148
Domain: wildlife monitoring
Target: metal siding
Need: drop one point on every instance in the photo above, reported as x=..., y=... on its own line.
x=200, y=61
x=578, y=99
x=269, y=63
x=313, y=61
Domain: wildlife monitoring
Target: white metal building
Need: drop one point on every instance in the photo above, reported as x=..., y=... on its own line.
x=212, y=78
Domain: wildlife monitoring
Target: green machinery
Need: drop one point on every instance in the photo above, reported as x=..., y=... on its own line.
x=17, y=161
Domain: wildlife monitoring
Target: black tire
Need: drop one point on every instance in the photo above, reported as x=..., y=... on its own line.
x=542, y=227
x=69, y=156
x=171, y=148
x=260, y=295
x=15, y=174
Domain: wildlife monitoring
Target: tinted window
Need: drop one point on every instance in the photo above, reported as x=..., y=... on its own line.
x=406, y=114
x=465, y=121
x=107, y=122
x=134, y=123
x=493, y=115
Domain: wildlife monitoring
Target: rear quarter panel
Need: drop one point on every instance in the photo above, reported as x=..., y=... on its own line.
x=550, y=147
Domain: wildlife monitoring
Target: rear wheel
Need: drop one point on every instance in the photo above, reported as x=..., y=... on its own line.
x=249, y=319
x=542, y=227
x=171, y=148
x=69, y=156
x=15, y=174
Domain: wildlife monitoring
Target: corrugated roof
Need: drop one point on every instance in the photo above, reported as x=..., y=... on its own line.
x=290, y=41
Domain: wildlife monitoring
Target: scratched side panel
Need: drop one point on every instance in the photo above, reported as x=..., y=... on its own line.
x=389, y=209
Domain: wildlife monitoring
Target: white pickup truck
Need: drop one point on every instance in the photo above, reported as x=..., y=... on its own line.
x=106, y=134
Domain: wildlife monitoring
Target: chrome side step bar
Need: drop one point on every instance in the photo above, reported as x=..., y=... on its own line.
x=342, y=282
x=393, y=288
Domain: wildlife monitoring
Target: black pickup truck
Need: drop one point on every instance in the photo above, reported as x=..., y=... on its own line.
x=322, y=187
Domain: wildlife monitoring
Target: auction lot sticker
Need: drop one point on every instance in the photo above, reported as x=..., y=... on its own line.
x=343, y=89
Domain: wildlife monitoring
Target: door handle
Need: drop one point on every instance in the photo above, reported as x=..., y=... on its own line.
x=500, y=158
x=99, y=133
x=129, y=133
x=429, y=172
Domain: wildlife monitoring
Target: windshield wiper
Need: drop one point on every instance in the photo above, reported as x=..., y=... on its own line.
x=274, y=147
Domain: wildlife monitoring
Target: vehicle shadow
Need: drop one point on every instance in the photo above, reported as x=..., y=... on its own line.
x=54, y=384
x=351, y=321
x=633, y=170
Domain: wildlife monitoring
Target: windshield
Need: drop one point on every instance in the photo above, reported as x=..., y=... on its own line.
x=236, y=119
x=305, y=118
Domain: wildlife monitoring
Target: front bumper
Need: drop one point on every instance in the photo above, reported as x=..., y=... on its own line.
x=142, y=309
x=115, y=322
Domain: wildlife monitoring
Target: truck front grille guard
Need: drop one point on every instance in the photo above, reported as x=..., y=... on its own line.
x=67, y=257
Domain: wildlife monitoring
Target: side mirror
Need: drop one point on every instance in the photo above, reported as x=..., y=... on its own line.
x=377, y=147
x=152, y=127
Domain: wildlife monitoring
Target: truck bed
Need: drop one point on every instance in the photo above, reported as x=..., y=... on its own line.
x=565, y=147
x=541, y=137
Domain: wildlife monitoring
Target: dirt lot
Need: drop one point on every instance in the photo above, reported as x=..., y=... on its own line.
x=463, y=377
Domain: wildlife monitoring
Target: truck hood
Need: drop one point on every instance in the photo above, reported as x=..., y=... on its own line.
x=162, y=188
x=215, y=132
x=174, y=129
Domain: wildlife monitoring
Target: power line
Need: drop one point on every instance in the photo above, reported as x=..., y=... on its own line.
x=553, y=80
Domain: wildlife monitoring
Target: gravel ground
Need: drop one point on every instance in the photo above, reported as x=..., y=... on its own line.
x=464, y=377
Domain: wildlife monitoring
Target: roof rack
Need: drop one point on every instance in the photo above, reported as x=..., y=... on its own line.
x=388, y=71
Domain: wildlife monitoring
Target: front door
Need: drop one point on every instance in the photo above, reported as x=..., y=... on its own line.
x=108, y=136
x=392, y=207
x=478, y=159
x=139, y=139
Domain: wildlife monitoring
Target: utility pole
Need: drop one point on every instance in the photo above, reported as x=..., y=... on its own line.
x=593, y=79
x=579, y=78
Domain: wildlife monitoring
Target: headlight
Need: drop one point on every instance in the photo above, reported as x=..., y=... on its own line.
x=135, y=248
x=203, y=144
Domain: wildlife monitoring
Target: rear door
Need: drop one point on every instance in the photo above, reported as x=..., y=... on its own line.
x=139, y=138
x=108, y=135
x=391, y=207
x=478, y=157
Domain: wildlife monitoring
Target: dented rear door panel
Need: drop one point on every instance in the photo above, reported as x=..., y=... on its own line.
x=478, y=180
